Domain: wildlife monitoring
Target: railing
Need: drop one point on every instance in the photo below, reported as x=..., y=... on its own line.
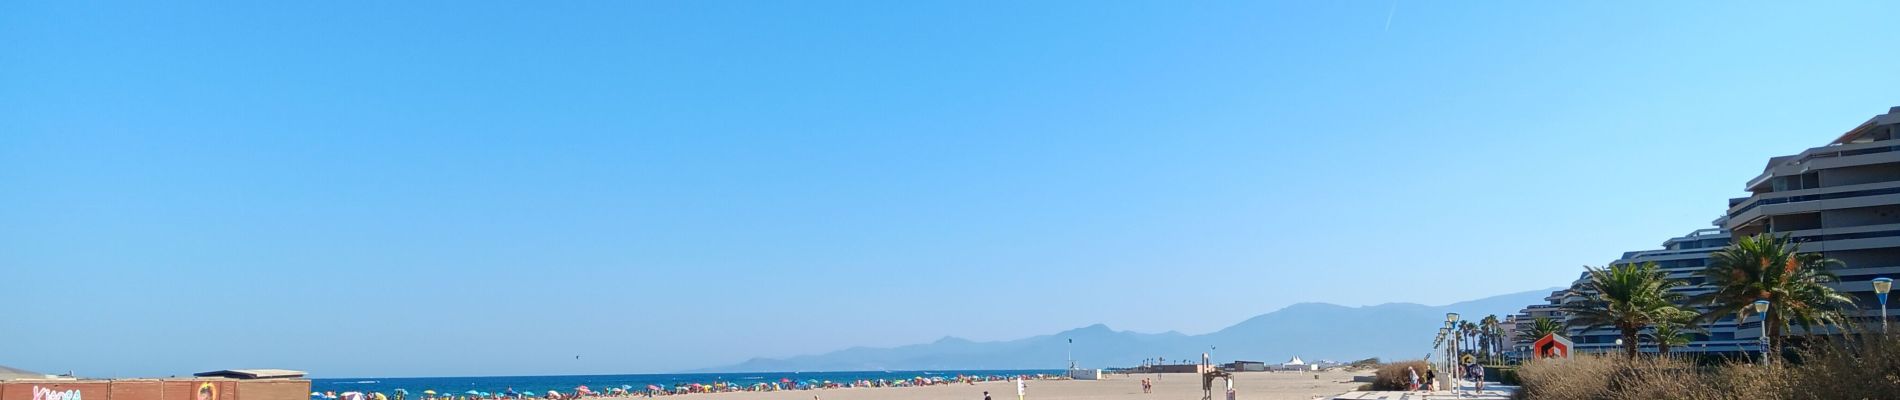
x=1813, y=197
x=1841, y=150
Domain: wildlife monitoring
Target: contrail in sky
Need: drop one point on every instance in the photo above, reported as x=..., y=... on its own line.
x=1388, y=15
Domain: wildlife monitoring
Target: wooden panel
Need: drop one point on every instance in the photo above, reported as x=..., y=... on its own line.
x=135, y=390
x=57, y=390
x=273, y=390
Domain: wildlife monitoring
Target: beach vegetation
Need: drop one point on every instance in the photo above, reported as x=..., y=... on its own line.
x=1628, y=297
x=1544, y=326
x=1394, y=376
x=1795, y=284
x=1855, y=366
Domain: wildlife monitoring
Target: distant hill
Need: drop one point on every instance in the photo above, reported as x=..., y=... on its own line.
x=1312, y=331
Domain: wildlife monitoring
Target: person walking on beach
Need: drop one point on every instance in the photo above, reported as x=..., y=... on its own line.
x=1411, y=382
x=1431, y=379
x=1475, y=373
x=1021, y=388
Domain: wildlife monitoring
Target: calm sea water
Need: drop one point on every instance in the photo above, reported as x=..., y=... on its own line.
x=566, y=383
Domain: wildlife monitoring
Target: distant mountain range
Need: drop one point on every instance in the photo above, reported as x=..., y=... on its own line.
x=1312, y=331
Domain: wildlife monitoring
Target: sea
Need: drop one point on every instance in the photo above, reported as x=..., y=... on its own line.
x=567, y=383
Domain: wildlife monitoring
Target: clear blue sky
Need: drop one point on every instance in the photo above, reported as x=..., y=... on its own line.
x=377, y=188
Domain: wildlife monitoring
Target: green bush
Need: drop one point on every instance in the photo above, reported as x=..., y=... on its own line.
x=1502, y=374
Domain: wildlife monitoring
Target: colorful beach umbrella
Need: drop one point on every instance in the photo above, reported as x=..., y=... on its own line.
x=653, y=387
x=430, y=391
x=403, y=391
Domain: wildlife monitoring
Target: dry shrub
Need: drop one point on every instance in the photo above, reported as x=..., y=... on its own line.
x=1846, y=368
x=1866, y=367
x=1590, y=376
x=1392, y=376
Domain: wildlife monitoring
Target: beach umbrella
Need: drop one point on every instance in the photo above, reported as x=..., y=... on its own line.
x=653, y=387
x=430, y=391
x=626, y=387
x=472, y=393
x=582, y=389
x=316, y=394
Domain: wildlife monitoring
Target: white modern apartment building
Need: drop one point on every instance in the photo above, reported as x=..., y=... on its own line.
x=1841, y=200
x=1682, y=258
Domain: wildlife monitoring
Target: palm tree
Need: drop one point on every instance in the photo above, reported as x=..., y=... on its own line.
x=1470, y=330
x=1493, y=329
x=1545, y=326
x=1672, y=331
x=1765, y=267
x=1487, y=336
x=1627, y=297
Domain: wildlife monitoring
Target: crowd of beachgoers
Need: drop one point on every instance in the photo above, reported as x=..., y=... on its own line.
x=583, y=392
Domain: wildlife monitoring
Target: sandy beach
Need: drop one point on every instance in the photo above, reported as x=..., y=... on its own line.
x=1249, y=385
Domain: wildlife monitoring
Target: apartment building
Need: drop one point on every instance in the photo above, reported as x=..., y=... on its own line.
x=1841, y=200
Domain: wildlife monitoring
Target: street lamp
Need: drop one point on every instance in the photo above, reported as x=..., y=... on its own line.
x=1071, y=355
x=1761, y=307
x=1881, y=286
x=1451, y=362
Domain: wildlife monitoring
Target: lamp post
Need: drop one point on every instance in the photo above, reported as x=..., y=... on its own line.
x=1881, y=287
x=1761, y=307
x=1451, y=326
x=1071, y=354
x=1444, y=335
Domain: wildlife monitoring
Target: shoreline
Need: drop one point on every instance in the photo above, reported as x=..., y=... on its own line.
x=1248, y=385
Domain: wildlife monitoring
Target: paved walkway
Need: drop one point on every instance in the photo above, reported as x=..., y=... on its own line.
x=1492, y=391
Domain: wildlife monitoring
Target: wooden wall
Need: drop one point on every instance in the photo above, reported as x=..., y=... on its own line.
x=156, y=389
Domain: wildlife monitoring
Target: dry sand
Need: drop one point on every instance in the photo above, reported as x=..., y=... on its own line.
x=1248, y=386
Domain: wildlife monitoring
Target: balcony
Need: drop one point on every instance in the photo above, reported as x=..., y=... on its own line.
x=1803, y=159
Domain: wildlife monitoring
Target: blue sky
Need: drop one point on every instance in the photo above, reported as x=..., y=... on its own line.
x=373, y=188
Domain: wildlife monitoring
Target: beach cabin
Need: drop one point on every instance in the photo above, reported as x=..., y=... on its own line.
x=1246, y=366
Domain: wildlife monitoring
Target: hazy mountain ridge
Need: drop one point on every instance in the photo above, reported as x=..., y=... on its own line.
x=1310, y=330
